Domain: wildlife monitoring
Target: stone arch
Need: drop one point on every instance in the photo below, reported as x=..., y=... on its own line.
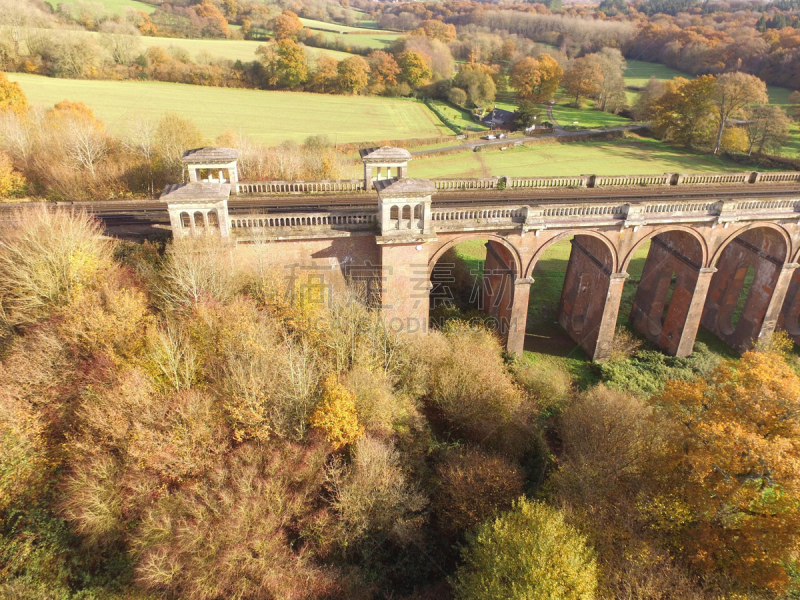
x=186, y=220
x=199, y=219
x=434, y=258
x=568, y=233
x=787, y=240
x=626, y=261
x=737, y=306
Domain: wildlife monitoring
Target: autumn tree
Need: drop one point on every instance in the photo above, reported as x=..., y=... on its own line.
x=413, y=68
x=383, y=70
x=536, y=79
x=286, y=25
x=733, y=92
x=767, y=129
x=477, y=82
x=11, y=96
x=336, y=415
x=284, y=63
x=353, y=74
x=731, y=504
x=684, y=111
x=436, y=30
x=794, y=100
x=527, y=553
x=173, y=136
x=583, y=78
x=208, y=10
x=610, y=96
x=324, y=77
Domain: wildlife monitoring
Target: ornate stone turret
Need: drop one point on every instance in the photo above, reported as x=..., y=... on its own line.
x=219, y=165
x=404, y=206
x=387, y=158
x=197, y=208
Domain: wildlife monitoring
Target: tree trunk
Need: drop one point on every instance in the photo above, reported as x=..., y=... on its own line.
x=722, y=123
x=763, y=141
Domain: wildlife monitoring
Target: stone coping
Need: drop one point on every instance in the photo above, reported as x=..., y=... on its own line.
x=393, y=188
x=211, y=155
x=196, y=191
x=385, y=153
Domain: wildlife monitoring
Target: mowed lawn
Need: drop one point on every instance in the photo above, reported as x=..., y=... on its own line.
x=628, y=156
x=267, y=116
x=116, y=6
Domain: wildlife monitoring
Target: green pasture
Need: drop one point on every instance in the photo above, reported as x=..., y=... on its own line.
x=570, y=117
x=267, y=116
x=462, y=118
x=338, y=28
x=639, y=72
x=374, y=40
x=551, y=158
x=115, y=6
x=244, y=50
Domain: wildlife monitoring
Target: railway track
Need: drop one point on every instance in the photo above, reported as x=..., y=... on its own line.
x=154, y=212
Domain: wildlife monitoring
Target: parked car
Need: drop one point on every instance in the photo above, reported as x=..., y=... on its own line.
x=490, y=137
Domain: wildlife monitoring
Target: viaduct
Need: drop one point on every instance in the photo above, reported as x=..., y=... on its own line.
x=709, y=236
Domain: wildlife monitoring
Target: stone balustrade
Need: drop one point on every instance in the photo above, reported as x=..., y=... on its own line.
x=286, y=222
x=528, y=183
x=300, y=187
x=450, y=185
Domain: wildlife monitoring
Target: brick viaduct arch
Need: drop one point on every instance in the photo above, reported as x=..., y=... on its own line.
x=692, y=276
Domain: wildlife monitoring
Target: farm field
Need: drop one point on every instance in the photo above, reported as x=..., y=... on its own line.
x=339, y=28
x=116, y=6
x=627, y=156
x=639, y=72
x=244, y=50
x=376, y=41
x=267, y=116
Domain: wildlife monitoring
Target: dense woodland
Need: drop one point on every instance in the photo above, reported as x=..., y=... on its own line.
x=177, y=422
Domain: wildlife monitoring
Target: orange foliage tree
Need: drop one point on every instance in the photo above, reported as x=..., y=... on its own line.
x=336, y=415
x=735, y=479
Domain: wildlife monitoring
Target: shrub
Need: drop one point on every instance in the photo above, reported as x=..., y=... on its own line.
x=378, y=408
x=474, y=486
x=227, y=535
x=46, y=258
x=548, y=381
x=475, y=394
x=336, y=415
x=647, y=371
x=528, y=553
x=374, y=498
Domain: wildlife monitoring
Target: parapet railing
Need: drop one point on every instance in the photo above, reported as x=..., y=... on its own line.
x=286, y=222
x=489, y=214
x=533, y=183
x=301, y=187
x=483, y=183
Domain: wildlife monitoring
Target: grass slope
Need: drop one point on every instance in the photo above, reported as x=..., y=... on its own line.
x=244, y=50
x=270, y=117
x=627, y=156
x=116, y=6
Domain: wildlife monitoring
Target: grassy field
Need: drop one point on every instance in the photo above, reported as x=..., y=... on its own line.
x=354, y=36
x=269, y=117
x=116, y=6
x=244, y=50
x=639, y=72
x=628, y=156
x=462, y=118
x=585, y=118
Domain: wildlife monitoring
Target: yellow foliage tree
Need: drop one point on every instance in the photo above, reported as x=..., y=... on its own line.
x=737, y=470
x=336, y=415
